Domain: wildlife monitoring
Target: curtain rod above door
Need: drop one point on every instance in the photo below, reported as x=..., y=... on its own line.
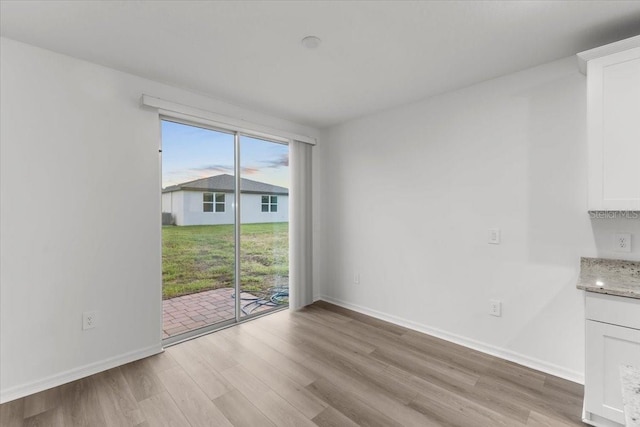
x=196, y=115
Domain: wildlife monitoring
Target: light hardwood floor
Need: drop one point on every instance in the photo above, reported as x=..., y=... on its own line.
x=321, y=366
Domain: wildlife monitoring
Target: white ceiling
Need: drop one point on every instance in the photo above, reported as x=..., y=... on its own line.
x=374, y=55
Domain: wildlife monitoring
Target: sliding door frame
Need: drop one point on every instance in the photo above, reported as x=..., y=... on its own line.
x=237, y=169
x=185, y=336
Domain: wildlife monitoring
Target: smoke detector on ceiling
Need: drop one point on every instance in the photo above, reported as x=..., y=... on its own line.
x=311, y=42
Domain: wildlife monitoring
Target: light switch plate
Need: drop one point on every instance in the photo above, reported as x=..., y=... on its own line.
x=494, y=236
x=495, y=307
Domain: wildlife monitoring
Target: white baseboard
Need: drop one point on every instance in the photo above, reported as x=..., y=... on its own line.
x=76, y=373
x=490, y=349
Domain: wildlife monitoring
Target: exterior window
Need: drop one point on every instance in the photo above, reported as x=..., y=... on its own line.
x=212, y=202
x=269, y=203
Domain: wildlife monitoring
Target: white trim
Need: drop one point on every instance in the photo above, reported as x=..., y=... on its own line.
x=492, y=350
x=598, y=52
x=76, y=373
x=597, y=420
x=196, y=115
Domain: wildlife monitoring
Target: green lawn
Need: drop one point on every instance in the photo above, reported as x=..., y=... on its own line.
x=200, y=257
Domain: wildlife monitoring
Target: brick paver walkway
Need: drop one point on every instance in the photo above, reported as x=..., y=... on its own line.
x=188, y=312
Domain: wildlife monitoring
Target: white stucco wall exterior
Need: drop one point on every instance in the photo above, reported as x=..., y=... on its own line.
x=187, y=208
x=167, y=199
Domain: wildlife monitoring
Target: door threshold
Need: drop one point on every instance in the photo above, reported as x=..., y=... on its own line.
x=196, y=333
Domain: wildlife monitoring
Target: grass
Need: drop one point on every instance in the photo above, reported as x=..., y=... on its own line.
x=201, y=257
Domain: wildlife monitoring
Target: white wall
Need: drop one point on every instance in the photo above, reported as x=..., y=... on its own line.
x=415, y=190
x=167, y=203
x=251, y=210
x=75, y=126
x=190, y=212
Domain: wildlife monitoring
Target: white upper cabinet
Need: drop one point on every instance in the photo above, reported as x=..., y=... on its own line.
x=613, y=96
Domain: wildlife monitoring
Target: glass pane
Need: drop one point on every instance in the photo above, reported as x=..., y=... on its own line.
x=219, y=207
x=220, y=197
x=274, y=199
x=198, y=267
x=274, y=208
x=264, y=241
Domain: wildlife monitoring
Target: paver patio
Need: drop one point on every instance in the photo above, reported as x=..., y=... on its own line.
x=189, y=312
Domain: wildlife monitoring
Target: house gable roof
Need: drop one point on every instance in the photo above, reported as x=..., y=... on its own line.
x=225, y=184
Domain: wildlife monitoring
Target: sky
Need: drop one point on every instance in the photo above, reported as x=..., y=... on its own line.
x=190, y=153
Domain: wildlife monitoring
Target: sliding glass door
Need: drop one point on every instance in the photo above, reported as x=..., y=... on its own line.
x=224, y=228
x=264, y=242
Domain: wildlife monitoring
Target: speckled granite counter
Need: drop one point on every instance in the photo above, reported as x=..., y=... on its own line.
x=610, y=276
x=630, y=377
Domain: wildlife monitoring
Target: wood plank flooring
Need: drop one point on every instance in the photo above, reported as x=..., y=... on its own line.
x=321, y=366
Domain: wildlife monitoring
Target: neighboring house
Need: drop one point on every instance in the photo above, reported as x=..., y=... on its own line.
x=209, y=201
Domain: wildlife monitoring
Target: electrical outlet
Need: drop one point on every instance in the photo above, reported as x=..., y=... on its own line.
x=495, y=308
x=89, y=320
x=622, y=242
x=356, y=278
x=494, y=236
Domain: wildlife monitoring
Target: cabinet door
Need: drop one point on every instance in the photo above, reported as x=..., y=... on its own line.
x=614, y=131
x=608, y=347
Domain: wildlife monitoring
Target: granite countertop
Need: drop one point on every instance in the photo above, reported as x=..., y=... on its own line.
x=630, y=377
x=610, y=276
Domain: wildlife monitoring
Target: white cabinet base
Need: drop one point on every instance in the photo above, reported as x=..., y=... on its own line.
x=608, y=348
x=612, y=340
